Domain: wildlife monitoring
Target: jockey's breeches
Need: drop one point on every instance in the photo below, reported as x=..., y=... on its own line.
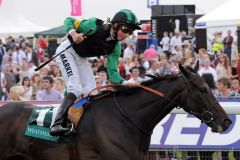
x=76, y=71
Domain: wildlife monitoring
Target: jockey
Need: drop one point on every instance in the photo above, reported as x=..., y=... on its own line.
x=89, y=38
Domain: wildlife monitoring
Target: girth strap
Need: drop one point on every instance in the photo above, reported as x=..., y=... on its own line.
x=73, y=150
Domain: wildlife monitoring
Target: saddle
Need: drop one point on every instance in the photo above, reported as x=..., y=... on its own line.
x=42, y=118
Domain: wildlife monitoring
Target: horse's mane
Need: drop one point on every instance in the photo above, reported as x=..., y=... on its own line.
x=189, y=68
x=152, y=78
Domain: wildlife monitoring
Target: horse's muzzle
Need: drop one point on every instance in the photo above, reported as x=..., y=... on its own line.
x=220, y=127
x=226, y=123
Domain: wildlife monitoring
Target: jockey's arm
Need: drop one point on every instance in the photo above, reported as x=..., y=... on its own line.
x=77, y=28
x=112, y=65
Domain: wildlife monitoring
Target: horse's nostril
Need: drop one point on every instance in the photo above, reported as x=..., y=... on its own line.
x=227, y=122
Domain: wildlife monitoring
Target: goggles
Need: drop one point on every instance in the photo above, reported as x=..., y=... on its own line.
x=126, y=29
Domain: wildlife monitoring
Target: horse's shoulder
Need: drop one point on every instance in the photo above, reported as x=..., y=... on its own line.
x=17, y=106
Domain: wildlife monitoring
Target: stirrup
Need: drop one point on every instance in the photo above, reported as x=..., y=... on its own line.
x=71, y=131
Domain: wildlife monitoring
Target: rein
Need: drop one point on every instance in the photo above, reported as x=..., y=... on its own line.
x=124, y=114
x=128, y=85
x=206, y=116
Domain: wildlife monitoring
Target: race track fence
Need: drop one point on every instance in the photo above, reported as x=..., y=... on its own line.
x=193, y=155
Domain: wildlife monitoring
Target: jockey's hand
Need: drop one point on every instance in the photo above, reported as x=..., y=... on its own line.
x=131, y=83
x=77, y=37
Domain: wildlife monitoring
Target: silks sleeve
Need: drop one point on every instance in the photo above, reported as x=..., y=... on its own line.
x=112, y=65
x=82, y=26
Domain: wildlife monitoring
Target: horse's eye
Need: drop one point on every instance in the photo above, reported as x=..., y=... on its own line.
x=203, y=89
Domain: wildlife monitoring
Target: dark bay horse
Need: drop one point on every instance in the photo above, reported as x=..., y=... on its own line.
x=117, y=126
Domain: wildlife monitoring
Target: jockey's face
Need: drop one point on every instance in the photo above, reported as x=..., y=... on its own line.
x=121, y=36
x=123, y=32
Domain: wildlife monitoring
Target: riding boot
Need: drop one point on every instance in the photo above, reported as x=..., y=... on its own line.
x=61, y=124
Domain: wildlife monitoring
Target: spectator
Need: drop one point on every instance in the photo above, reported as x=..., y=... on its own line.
x=223, y=68
x=101, y=65
x=164, y=67
x=3, y=51
x=42, y=42
x=234, y=65
x=217, y=42
x=165, y=43
x=141, y=67
x=150, y=53
x=27, y=50
x=128, y=66
x=178, y=50
x=44, y=71
x=173, y=66
x=7, y=58
x=59, y=85
x=135, y=75
x=129, y=51
x=14, y=93
x=21, y=40
x=48, y=93
x=217, y=57
x=134, y=61
x=37, y=84
x=144, y=63
x=121, y=67
x=227, y=41
x=187, y=45
x=235, y=87
x=31, y=69
x=176, y=40
x=223, y=88
x=9, y=76
x=24, y=69
x=11, y=44
x=153, y=67
x=207, y=69
x=52, y=66
x=200, y=56
x=192, y=36
x=18, y=56
x=183, y=34
x=188, y=57
x=3, y=84
x=103, y=76
x=26, y=90
x=98, y=83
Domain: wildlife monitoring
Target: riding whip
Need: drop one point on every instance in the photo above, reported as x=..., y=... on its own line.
x=45, y=63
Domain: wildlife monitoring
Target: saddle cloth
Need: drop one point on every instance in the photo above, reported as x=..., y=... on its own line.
x=42, y=118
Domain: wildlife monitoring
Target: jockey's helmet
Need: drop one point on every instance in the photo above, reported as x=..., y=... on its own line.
x=127, y=17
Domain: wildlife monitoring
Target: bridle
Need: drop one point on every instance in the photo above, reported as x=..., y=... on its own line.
x=206, y=116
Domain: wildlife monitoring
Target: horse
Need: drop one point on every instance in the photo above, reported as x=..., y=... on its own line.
x=117, y=125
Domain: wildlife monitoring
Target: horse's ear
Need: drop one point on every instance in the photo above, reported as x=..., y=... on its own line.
x=196, y=67
x=182, y=69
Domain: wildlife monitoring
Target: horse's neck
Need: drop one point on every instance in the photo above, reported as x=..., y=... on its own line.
x=146, y=109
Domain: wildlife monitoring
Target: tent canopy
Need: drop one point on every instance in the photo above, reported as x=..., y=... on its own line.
x=228, y=14
x=54, y=32
x=13, y=23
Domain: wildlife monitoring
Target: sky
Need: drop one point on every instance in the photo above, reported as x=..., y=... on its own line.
x=51, y=13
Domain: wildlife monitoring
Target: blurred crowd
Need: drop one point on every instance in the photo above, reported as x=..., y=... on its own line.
x=219, y=65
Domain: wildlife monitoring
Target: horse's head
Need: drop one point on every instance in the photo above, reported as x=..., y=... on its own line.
x=199, y=100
